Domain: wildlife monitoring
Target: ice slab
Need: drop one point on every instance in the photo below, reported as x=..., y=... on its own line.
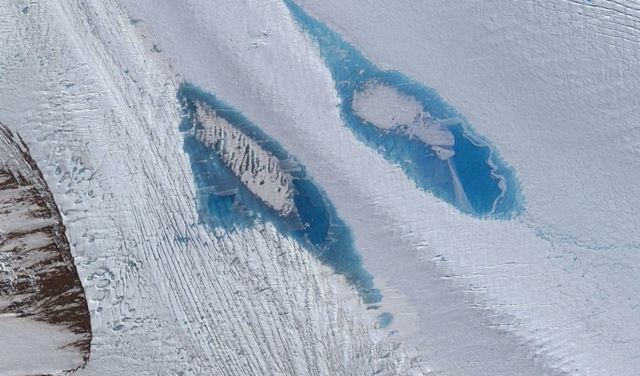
x=256, y=168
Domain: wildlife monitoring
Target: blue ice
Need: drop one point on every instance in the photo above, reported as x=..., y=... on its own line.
x=474, y=179
x=384, y=320
x=225, y=202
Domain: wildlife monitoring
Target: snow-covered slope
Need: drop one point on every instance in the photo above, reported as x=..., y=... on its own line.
x=44, y=321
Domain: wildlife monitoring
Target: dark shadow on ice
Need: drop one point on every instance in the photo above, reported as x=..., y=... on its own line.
x=244, y=176
x=410, y=125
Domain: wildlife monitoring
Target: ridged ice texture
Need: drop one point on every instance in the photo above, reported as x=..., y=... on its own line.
x=258, y=170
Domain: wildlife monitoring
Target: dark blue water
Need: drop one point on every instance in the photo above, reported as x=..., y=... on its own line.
x=490, y=186
x=225, y=202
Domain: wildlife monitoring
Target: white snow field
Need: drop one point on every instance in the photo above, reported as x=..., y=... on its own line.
x=91, y=88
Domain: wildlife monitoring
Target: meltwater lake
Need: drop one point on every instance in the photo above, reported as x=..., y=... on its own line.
x=227, y=202
x=433, y=144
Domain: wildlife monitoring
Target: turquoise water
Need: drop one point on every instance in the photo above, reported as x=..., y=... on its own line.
x=490, y=186
x=384, y=319
x=225, y=202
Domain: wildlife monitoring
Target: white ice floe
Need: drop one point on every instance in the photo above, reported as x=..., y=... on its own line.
x=386, y=108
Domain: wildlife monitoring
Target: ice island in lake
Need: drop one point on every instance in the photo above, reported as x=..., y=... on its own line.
x=411, y=126
x=243, y=176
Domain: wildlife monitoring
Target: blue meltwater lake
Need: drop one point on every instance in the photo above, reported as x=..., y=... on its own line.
x=225, y=202
x=469, y=174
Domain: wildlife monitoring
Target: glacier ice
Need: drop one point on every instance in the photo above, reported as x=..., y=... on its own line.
x=97, y=108
x=91, y=87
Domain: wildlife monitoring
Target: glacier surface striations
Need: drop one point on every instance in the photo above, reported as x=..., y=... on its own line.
x=93, y=95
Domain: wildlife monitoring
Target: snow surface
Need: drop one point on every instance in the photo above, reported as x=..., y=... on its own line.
x=554, y=86
x=30, y=347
